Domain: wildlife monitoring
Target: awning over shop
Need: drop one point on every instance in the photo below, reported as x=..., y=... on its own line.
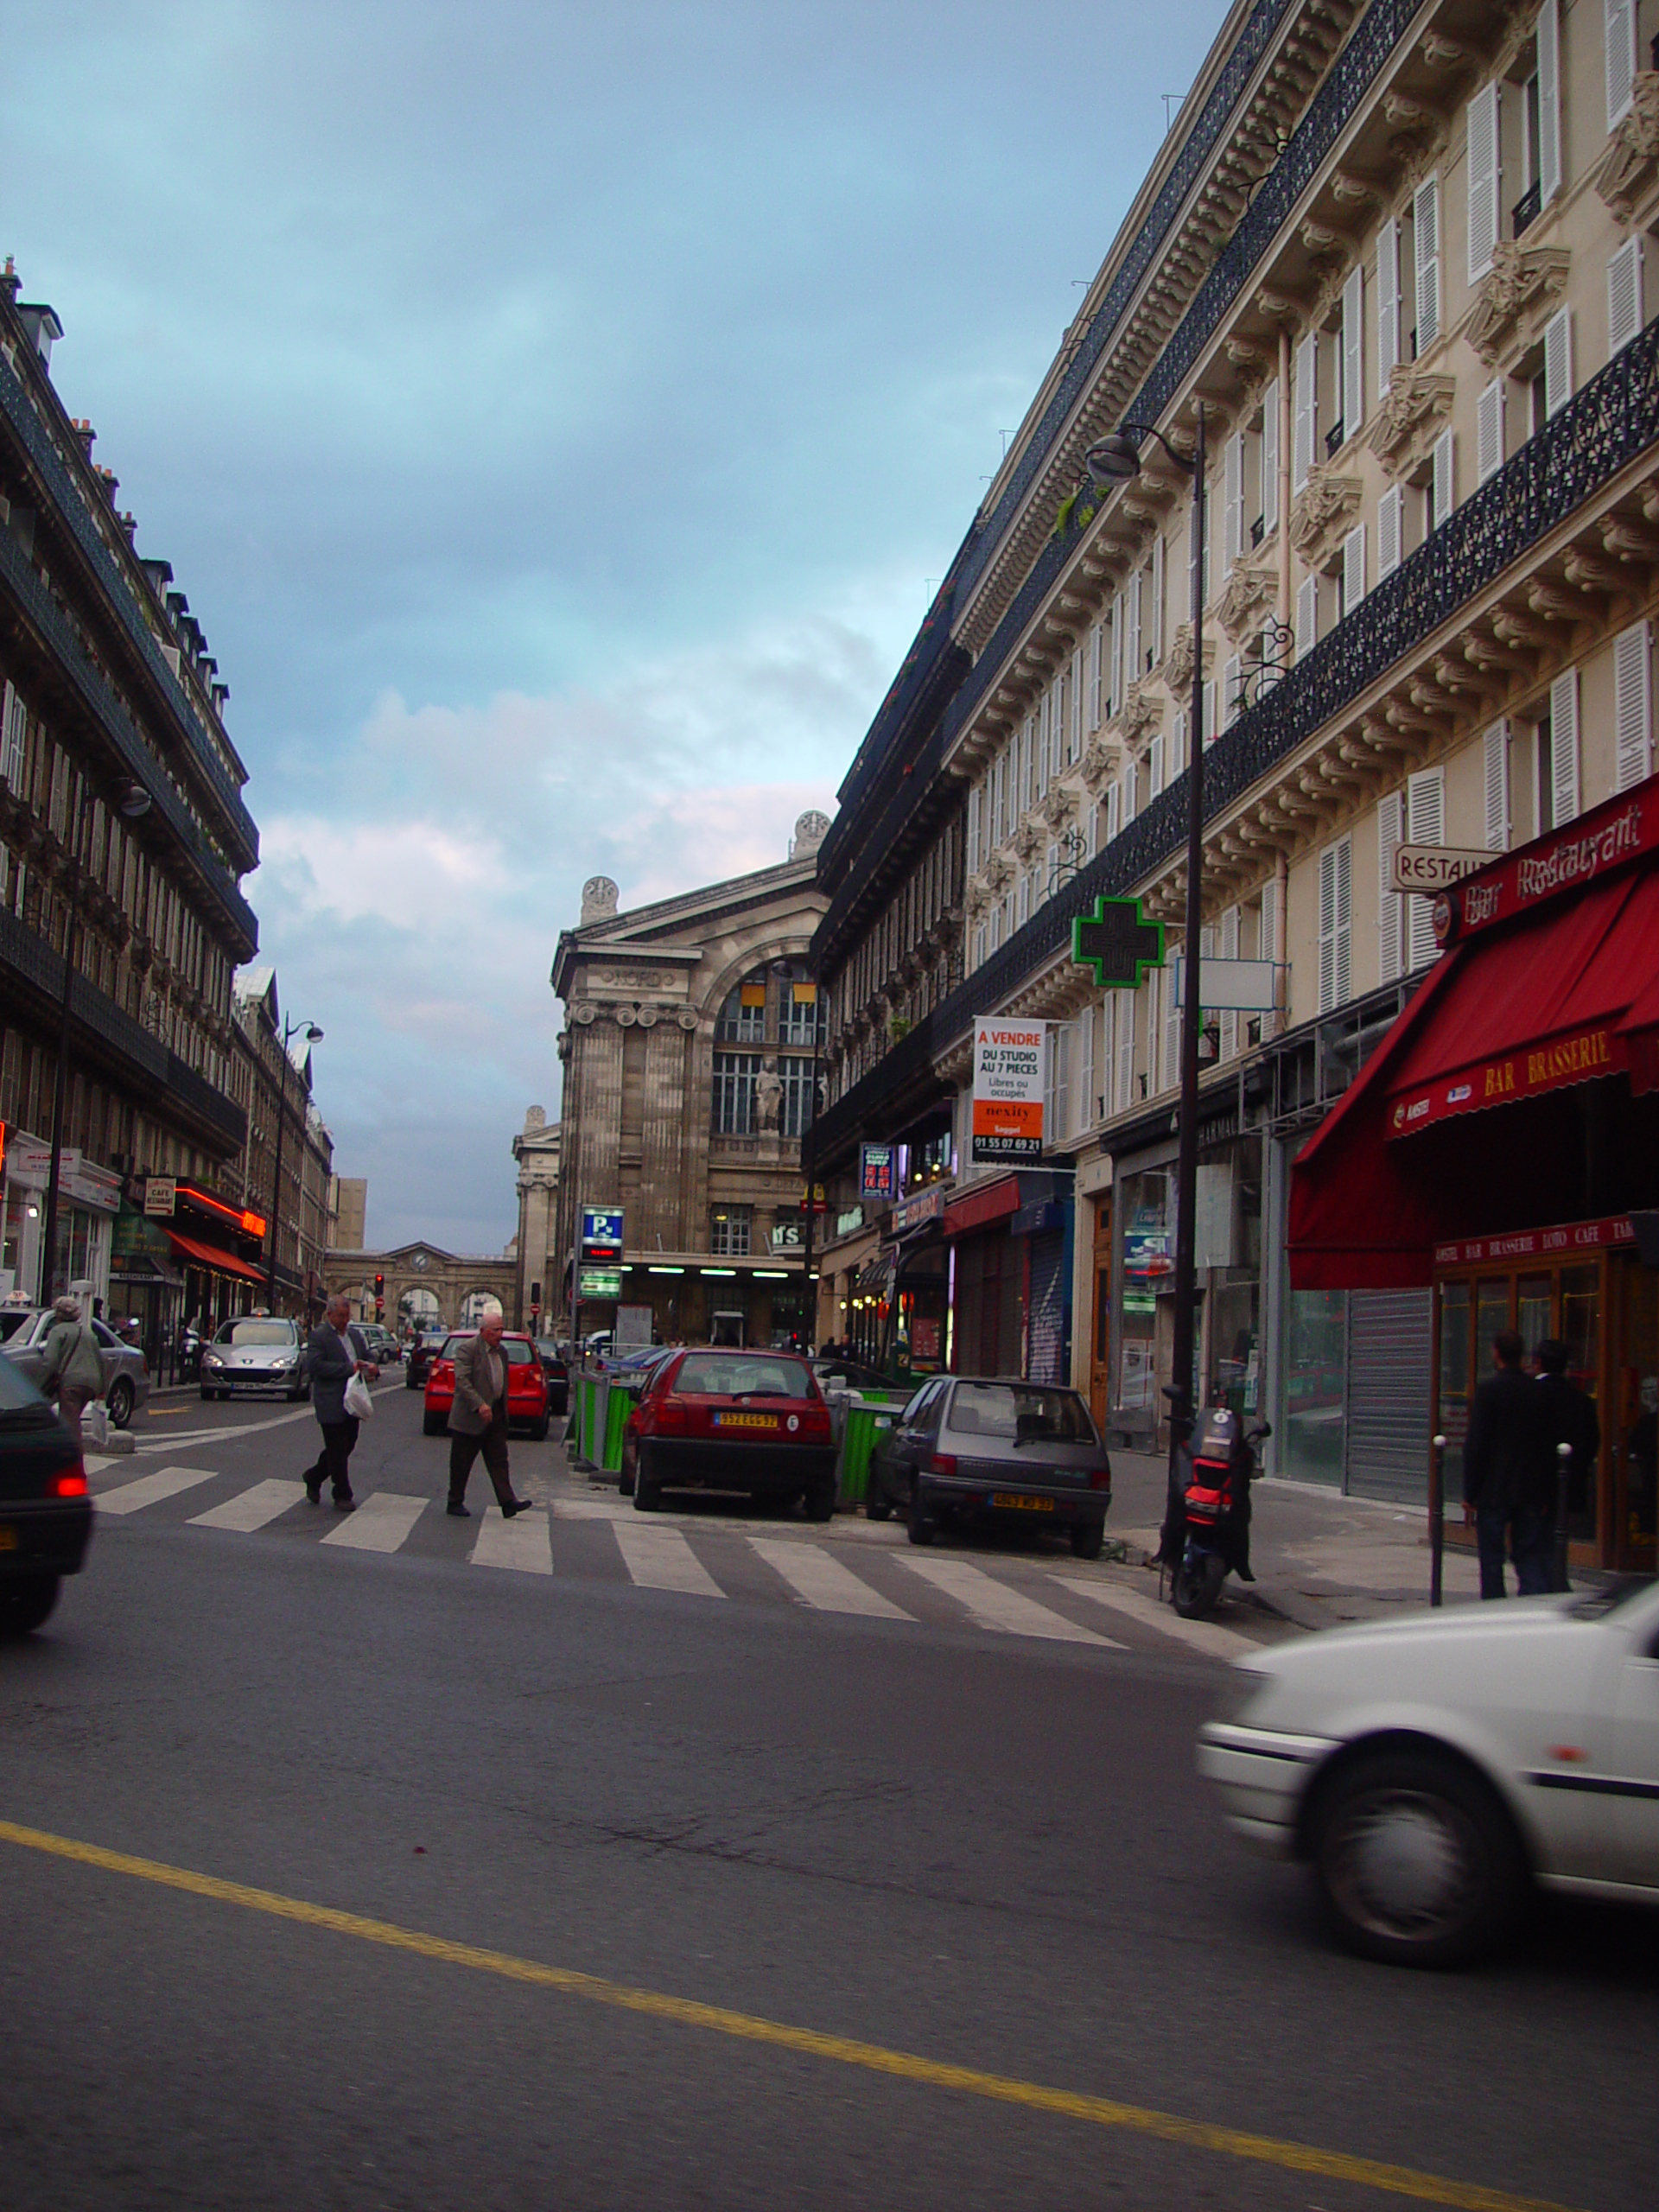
x=982, y=1204
x=1521, y=1015
x=209, y=1256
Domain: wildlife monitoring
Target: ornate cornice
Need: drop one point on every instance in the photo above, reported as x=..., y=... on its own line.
x=1250, y=592
x=1515, y=299
x=1140, y=713
x=1408, y=418
x=1177, y=663
x=1322, y=514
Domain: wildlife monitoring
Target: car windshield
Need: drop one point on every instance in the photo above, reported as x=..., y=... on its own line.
x=1020, y=1413
x=256, y=1332
x=728, y=1375
x=9, y=1324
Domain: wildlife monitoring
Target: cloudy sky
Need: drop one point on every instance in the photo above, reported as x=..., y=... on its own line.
x=557, y=415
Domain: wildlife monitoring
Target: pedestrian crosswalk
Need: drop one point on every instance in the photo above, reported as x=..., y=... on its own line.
x=873, y=1578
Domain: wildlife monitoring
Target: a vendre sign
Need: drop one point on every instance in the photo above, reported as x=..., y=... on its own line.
x=1010, y=1060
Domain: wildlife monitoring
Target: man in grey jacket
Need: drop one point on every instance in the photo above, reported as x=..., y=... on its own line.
x=477, y=1419
x=334, y=1352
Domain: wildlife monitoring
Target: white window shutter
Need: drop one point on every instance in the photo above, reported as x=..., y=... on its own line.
x=1232, y=495
x=1549, y=101
x=1094, y=832
x=1172, y=1067
x=1620, y=30
x=974, y=804
x=1045, y=709
x=1270, y=458
x=13, y=727
x=1353, y=353
x=1632, y=707
x=1335, y=921
x=1023, y=911
x=1232, y=678
x=1485, y=179
x=1155, y=619
x=1425, y=825
x=1391, y=907
x=1564, y=749
x=1267, y=934
x=1097, y=657
x=1114, y=810
x=1210, y=731
x=1443, y=496
x=1344, y=921
x=1388, y=303
x=1488, y=431
x=1353, y=568
x=1623, y=295
x=1304, y=394
x=1117, y=653
x=1133, y=668
x=1086, y=1115
x=1155, y=766
x=1425, y=254
x=1178, y=747
x=1497, y=764
x=1558, y=360
x=1074, y=710
x=1229, y=951
x=1307, y=615
x=1389, y=513
x=1124, y=1041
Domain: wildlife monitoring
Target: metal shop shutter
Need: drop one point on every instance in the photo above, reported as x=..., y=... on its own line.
x=1047, y=1305
x=1389, y=1352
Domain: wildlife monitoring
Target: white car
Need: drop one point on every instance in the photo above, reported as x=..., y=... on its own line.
x=1433, y=1769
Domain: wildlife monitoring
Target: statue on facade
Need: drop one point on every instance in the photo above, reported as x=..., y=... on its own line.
x=768, y=1095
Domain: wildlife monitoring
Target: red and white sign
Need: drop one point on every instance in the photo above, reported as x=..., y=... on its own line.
x=1622, y=830
x=1552, y=1065
x=1010, y=1061
x=1537, y=1243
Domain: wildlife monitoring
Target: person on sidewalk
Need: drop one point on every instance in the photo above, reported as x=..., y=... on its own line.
x=477, y=1419
x=73, y=1373
x=1573, y=1421
x=1509, y=1472
x=334, y=1352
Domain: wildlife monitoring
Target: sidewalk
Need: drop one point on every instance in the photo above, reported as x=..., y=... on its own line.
x=1320, y=1559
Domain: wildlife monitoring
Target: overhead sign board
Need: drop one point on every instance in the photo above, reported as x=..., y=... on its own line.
x=600, y=1282
x=788, y=1236
x=1118, y=941
x=602, y=1236
x=878, y=1172
x=160, y=1197
x=1431, y=867
x=1229, y=986
x=1009, y=1063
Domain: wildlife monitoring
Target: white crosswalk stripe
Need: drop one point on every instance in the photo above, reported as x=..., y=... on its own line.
x=149, y=1490
x=251, y=1508
x=819, y=1579
x=991, y=1604
x=381, y=1522
x=660, y=1559
x=522, y=1543
x=1136, y=1606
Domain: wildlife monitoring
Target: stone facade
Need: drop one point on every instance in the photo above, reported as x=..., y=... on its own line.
x=424, y=1284
x=536, y=1148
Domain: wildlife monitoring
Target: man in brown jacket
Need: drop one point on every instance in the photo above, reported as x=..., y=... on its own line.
x=477, y=1419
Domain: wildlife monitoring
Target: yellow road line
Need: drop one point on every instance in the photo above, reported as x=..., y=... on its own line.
x=1101, y=2112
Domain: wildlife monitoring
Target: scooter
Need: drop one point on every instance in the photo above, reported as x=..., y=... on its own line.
x=1206, y=1533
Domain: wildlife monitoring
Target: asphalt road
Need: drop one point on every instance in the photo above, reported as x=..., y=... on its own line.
x=356, y=1877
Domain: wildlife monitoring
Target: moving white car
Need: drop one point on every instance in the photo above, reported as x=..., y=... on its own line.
x=1433, y=1770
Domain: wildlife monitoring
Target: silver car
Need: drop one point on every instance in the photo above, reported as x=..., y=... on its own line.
x=259, y=1351
x=23, y=1339
x=982, y=1449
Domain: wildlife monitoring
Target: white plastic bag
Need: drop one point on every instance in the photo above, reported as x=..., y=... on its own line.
x=359, y=1403
x=95, y=1424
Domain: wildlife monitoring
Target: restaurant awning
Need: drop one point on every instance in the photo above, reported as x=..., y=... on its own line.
x=209, y=1256
x=1518, y=1016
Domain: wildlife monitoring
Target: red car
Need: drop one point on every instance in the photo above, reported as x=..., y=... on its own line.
x=526, y=1385
x=719, y=1419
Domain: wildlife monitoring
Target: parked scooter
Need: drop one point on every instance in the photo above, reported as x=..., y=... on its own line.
x=1206, y=1532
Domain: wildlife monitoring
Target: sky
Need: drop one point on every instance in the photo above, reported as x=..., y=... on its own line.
x=558, y=418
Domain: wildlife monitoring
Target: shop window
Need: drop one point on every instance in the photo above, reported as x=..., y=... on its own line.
x=735, y=1081
x=1311, y=1432
x=728, y=1232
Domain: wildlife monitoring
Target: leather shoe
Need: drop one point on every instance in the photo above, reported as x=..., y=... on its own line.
x=461, y=1512
x=344, y=1505
x=313, y=1494
x=518, y=1505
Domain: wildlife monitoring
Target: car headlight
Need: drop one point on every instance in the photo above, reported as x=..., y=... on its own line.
x=284, y=1359
x=211, y=1359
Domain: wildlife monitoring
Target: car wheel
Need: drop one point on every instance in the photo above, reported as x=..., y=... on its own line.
x=208, y=1393
x=433, y=1424
x=1088, y=1539
x=1418, y=1862
x=538, y=1430
x=923, y=1525
x=26, y=1604
x=119, y=1402
x=820, y=1501
x=647, y=1491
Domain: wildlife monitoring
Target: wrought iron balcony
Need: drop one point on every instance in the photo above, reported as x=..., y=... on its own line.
x=1598, y=433
x=1333, y=439
x=1524, y=213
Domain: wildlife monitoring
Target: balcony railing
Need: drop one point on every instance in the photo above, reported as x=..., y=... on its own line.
x=1524, y=213
x=1598, y=433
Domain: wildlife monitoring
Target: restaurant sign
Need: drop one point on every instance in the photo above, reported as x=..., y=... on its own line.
x=1623, y=829
x=1524, y=1074
x=1537, y=1243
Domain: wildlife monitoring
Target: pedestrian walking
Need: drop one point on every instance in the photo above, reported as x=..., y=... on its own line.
x=1572, y=1419
x=477, y=1419
x=1509, y=1472
x=73, y=1373
x=334, y=1351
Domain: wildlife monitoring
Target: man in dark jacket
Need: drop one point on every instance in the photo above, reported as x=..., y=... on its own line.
x=1509, y=1472
x=1572, y=1420
x=334, y=1352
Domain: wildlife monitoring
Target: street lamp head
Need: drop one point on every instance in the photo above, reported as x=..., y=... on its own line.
x=311, y=1034
x=133, y=800
x=1112, y=459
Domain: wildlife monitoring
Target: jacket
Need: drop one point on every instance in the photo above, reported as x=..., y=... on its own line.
x=472, y=1410
x=1572, y=1417
x=72, y=1357
x=331, y=1366
x=1509, y=1455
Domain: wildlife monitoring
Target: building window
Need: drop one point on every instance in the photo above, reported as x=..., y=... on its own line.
x=728, y=1232
x=795, y=1107
x=743, y=1017
x=734, y=1076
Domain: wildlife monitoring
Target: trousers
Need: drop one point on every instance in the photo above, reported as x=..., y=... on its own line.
x=334, y=1460
x=1528, y=1528
x=463, y=1453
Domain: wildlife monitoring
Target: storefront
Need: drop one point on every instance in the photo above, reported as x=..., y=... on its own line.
x=89, y=1198
x=1009, y=1239
x=1500, y=1138
x=914, y=1342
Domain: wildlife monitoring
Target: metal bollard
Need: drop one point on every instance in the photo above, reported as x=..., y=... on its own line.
x=1559, y=1578
x=1436, y=1519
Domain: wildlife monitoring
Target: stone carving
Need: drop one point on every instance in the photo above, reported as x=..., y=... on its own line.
x=1628, y=176
x=1028, y=840
x=1409, y=417
x=649, y=1017
x=768, y=1095
x=687, y=1017
x=1099, y=762
x=1515, y=299
x=810, y=830
x=1140, y=713
x=630, y=979
x=1322, y=513
x=624, y=1016
x=1177, y=664
x=1057, y=806
x=1250, y=592
x=598, y=897
x=584, y=1011
x=998, y=872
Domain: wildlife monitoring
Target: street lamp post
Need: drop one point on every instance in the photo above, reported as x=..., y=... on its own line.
x=313, y=1035
x=1114, y=460
x=132, y=800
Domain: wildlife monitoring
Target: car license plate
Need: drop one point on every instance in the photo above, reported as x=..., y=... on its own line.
x=1022, y=1505
x=8, y=1539
x=746, y=1421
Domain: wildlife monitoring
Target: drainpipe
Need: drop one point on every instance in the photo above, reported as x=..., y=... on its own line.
x=1280, y=937
x=1285, y=464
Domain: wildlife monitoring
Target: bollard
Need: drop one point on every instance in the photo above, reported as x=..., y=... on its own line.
x=1559, y=1579
x=1436, y=1519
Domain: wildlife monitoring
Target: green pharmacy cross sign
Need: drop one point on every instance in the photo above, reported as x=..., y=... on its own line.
x=1118, y=943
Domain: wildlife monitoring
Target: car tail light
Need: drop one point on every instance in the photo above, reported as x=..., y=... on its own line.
x=673, y=1417
x=815, y=1421
x=1100, y=1479
x=68, y=1482
x=942, y=1463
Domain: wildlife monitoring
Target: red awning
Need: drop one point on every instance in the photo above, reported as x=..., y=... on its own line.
x=1563, y=996
x=209, y=1256
x=983, y=1203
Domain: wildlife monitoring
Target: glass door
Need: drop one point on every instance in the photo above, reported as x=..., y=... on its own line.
x=1452, y=1413
x=1580, y=1328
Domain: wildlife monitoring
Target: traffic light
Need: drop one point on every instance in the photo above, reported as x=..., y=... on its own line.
x=380, y=1298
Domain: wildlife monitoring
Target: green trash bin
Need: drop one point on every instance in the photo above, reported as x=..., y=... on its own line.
x=864, y=1424
x=619, y=1404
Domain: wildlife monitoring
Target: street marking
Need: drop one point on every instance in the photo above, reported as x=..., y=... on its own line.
x=991, y=1604
x=1208, y=1637
x=381, y=1522
x=234, y=1435
x=660, y=1559
x=822, y=1581
x=748, y=2027
x=149, y=1490
x=523, y=1542
x=251, y=1508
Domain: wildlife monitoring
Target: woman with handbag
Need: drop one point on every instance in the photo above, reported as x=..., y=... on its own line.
x=73, y=1373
